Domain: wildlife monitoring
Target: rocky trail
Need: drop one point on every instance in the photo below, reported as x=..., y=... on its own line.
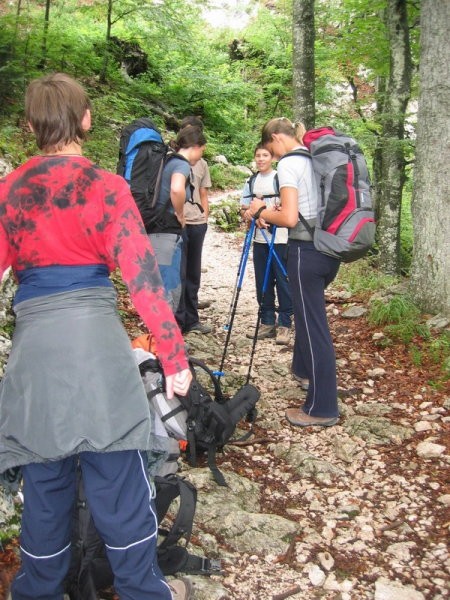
x=355, y=511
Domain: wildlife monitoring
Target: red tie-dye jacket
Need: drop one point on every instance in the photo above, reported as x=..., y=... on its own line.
x=66, y=211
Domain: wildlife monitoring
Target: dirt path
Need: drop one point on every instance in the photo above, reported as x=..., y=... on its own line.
x=370, y=495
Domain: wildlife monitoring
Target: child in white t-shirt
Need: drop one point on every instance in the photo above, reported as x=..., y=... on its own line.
x=264, y=184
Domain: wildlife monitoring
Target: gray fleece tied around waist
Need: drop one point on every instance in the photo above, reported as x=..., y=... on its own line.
x=72, y=384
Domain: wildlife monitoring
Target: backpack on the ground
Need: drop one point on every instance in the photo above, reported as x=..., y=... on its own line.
x=205, y=420
x=251, y=186
x=90, y=570
x=142, y=158
x=345, y=225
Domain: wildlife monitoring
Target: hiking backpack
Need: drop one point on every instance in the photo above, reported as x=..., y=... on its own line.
x=205, y=421
x=251, y=185
x=142, y=158
x=345, y=226
x=90, y=570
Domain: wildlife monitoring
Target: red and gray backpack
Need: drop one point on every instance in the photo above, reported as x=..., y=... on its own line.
x=345, y=226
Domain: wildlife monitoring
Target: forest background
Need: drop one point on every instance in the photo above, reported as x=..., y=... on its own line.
x=354, y=64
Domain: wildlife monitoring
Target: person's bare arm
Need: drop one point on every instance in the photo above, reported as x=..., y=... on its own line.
x=178, y=195
x=286, y=215
x=204, y=201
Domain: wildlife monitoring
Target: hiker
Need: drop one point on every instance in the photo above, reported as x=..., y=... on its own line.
x=265, y=185
x=71, y=392
x=166, y=238
x=196, y=216
x=309, y=271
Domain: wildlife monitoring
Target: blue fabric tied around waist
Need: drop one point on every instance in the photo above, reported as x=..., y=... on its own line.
x=55, y=279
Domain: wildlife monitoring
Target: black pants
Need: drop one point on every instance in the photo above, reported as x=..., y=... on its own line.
x=191, y=269
x=310, y=272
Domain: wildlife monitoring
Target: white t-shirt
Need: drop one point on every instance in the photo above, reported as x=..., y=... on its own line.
x=297, y=172
x=264, y=186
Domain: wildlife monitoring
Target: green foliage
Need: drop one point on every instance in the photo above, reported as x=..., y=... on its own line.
x=225, y=177
x=400, y=318
x=362, y=278
x=434, y=351
x=226, y=214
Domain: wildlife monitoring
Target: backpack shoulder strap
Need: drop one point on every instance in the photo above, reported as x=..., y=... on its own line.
x=306, y=154
x=276, y=184
x=297, y=152
x=167, y=489
x=251, y=184
x=174, y=558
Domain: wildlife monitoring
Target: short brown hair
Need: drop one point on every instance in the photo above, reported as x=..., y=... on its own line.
x=192, y=120
x=261, y=146
x=282, y=125
x=55, y=106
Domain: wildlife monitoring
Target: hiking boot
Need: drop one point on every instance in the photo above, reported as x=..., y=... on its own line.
x=181, y=589
x=199, y=328
x=299, y=418
x=265, y=331
x=304, y=383
x=283, y=336
x=203, y=304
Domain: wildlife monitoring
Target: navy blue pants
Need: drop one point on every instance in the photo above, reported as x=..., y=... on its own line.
x=310, y=272
x=276, y=280
x=120, y=498
x=191, y=271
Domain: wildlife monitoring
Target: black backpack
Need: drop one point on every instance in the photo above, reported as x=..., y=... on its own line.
x=142, y=158
x=206, y=418
x=90, y=570
x=251, y=185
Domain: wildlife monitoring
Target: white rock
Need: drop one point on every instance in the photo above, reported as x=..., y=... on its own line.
x=326, y=560
x=429, y=449
x=393, y=590
x=377, y=372
x=444, y=499
x=423, y=426
x=221, y=159
x=316, y=576
x=401, y=550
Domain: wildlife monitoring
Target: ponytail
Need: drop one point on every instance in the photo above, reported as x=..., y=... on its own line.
x=283, y=125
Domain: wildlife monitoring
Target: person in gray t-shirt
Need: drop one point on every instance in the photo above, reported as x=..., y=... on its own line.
x=166, y=237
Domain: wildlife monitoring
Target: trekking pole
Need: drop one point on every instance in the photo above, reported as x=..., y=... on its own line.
x=263, y=293
x=275, y=254
x=242, y=261
x=233, y=307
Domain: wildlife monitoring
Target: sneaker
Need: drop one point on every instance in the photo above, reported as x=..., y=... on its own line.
x=298, y=418
x=199, y=328
x=265, y=331
x=181, y=589
x=304, y=383
x=283, y=336
x=203, y=304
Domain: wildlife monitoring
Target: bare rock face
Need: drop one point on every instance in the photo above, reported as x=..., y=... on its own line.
x=5, y=167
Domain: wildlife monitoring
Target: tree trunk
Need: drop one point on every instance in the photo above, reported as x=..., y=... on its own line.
x=391, y=146
x=430, y=271
x=43, y=60
x=303, y=33
x=107, y=42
